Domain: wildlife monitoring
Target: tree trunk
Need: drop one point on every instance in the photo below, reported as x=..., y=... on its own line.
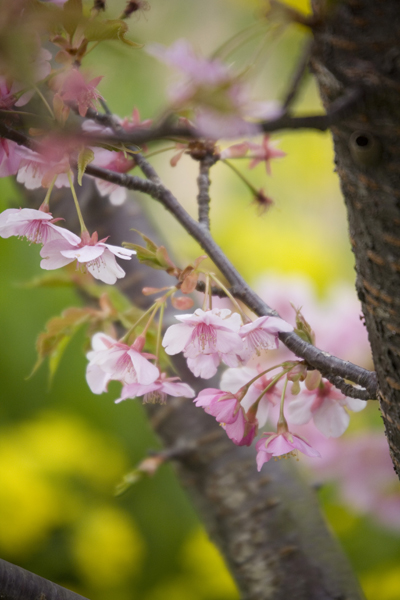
x=357, y=44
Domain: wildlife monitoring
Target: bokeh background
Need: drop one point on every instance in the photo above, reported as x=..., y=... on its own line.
x=64, y=450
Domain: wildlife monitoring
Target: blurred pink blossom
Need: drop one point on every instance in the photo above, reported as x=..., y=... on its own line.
x=219, y=98
x=72, y=87
x=39, y=169
x=264, y=152
x=10, y=157
x=327, y=406
x=361, y=467
x=117, y=162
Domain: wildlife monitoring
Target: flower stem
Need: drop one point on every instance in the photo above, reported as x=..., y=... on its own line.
x=47, y=197
x=241, y=176
x=282, y=423
x=207, y=294
x=231, y=298
x=159, y=332
x=78, y=210
x=127, y=335
x=47, y=105
x=246, y=387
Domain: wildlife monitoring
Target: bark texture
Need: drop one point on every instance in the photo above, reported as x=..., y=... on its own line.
x=357, y=44
x=18, y=584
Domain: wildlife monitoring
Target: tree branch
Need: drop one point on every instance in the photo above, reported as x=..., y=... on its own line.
x=203, y=198
x=18, y=584
x=339, y=109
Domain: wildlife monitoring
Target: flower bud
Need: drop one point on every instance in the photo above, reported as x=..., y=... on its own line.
x=313, y=380
x=182, y=303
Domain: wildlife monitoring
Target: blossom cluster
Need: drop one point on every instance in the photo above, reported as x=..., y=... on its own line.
x=61, y=246
x=217, y=101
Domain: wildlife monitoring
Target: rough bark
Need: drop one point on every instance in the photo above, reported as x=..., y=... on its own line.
x=357, y=44
x=18, y=584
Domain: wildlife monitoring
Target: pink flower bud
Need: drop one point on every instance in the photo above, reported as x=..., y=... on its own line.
x=182, y=303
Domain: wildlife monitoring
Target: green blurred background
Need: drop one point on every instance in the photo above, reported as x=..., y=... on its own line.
x=63, y=450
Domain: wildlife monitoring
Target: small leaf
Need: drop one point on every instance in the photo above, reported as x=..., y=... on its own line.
x=303, y=328
x=85, y=157
x=150, y=245
x=111, y=29
x=59, y=332
x=48, y=280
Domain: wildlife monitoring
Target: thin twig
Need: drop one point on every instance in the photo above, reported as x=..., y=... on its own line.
x=298, y=77
x=203, y=197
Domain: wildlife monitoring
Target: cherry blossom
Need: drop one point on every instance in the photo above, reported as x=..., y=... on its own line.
x=262, y=334
x=264, y=152
x=117, y=162
x=37, y=226
x=363, y=470
x=74, y=88
x=38, y=170
x=227, y=410
x=113, y=360
x=327, y=406
x=10, y=91
x=10, y=158
x=234, y=379
x=221, y=99
x=157, y=391
x=98, y=257
x=206, y=338
x=281, y=444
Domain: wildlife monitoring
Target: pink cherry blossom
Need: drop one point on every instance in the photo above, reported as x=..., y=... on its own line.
x=361, y=467
x=264, y=152
x=113, y=360
x=281, y=444
x=38, y=170
x=234, y=379
x=74, y=88
x=117, y=162
x=218, y=97
x=198, y=70
x=134, y=122
x=327, y=406
x=10, y=157
x=98, y=257
x=206, y=338
x=262, y=334
x=157, y=391
x=37, y=226
x=10, y=90
x=227, y=410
